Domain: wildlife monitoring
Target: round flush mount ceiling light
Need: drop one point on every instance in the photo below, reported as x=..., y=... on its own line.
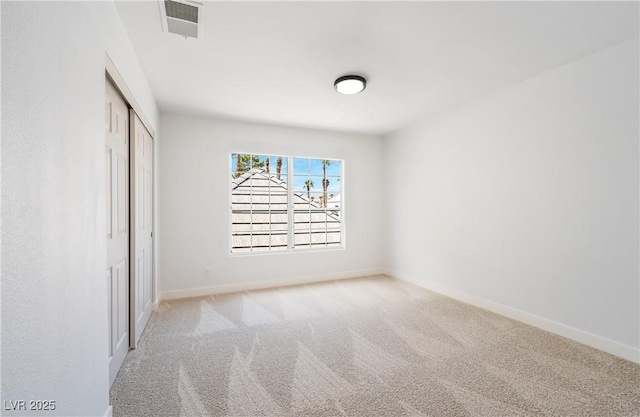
x=350, y=84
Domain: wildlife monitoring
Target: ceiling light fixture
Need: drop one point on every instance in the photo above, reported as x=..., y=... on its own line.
x=350, y=84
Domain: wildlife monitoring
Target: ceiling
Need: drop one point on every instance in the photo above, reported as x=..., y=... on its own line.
x=275, y=62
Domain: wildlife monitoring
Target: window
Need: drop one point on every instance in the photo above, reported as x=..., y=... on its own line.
x=281, y=203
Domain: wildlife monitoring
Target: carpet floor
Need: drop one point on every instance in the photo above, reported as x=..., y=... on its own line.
x=363, y=347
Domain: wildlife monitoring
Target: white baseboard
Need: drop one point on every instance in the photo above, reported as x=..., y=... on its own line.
x=109, y=412
x=258, y=285
x=598, y=342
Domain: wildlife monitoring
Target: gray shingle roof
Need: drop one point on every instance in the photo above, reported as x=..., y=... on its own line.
x=259, y=216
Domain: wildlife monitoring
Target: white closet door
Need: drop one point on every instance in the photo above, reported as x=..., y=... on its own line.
x=117, y=189
x=142, y=227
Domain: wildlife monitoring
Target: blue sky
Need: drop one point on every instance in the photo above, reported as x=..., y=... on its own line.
x=305, y=169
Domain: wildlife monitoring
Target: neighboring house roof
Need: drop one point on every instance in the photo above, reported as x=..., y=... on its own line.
x=334, y=202
x=259, y=215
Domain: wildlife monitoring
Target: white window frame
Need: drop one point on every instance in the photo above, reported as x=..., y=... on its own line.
x=290, y=209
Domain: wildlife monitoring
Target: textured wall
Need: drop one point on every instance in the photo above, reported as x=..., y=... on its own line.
x=54, y=300
x=195, y=202
x=529, y=197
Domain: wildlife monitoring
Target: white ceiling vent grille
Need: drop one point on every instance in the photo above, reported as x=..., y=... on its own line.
x=182, y=17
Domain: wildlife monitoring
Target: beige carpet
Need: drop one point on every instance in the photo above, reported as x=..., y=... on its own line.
x=362, y=347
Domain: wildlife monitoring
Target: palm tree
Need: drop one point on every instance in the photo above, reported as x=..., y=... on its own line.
x=268, y=163
x=308, y=184
x=238, y=164
x=325, y=181
x=278, y=167
x=244, y=163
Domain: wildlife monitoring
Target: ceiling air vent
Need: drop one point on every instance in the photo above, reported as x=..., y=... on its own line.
x=182, y=17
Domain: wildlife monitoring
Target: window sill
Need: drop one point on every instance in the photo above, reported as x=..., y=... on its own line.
x=284, y=252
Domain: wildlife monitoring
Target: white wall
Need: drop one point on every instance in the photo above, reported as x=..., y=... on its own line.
x=54, y=294
x=528, y=198
x=195, y=186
